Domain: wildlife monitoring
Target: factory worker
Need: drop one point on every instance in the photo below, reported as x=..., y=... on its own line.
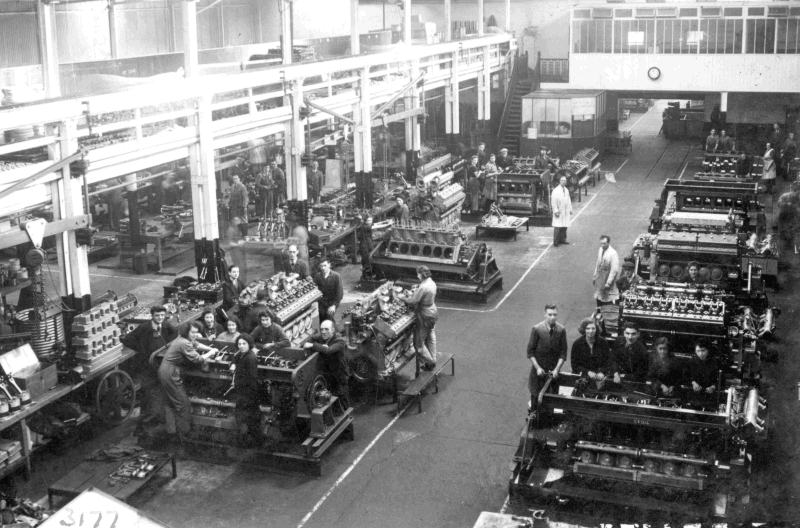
x=473, y=185
x=712, y=141
x=330, y=284
x=245, y=396
x=490, y=184
x=504, y=160
x=547, y=352
x=725, y=142
x=606, y=270
x=692, y=276
x=590, y=354
x=561, y=205
x=365, y=246
x=629, y=359
x=253, y=318
x=664, y=371
x=210, y=327
x=269, y=336
x=628, y=279
x=401, y=214
x=427, y=314
x=294, y=264
x=543, y=160
x=232, y=331
x=703, y=370
x=182, y=353
x=332, y=364
x=232, y=288
x=770, y=168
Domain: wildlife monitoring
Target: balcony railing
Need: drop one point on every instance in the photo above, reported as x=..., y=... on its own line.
x=554, y=70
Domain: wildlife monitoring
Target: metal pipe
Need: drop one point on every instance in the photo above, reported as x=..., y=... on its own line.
x=605, y=448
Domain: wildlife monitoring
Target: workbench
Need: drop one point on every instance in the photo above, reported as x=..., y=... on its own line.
x=95, y=474
x=53, y=395
x=350, y=234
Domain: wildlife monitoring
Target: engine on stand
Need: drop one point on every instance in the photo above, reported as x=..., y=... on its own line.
x=294, y=303
x=379, y=330
x=300, y=417
x=686, y=456
x=460, y=270
x=438, y=198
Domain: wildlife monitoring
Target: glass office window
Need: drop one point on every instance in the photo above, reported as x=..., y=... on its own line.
x=552, y=117
x=634, y=36
x=761, y=35
x=591, y=36
x=787, y=30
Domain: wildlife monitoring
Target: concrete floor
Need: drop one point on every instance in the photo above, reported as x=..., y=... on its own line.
x=443, y=467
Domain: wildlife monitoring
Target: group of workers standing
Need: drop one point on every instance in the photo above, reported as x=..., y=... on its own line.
x=593, y=358
x=481, y=179
x=780, y=151
x=258, y=334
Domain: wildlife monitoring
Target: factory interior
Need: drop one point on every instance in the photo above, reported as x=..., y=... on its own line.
x=435, y=263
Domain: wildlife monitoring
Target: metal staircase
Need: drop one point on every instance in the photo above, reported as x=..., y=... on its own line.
x=522, y=83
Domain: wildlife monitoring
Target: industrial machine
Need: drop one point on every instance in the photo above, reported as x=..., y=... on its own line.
x=701, y=206
x=523, y=191
x=294, y=303
x=460, y=270
x=687, y=457
x=722, y=165
x=299, y=416
x=380, y=334
x=439, y=196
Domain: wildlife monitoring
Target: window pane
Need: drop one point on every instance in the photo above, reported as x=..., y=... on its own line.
x=769, y=36
x=617, y=36
x=649, y=35
x=782, y=27
x=751, y=36
x=591, y=37
x=607, y=41
x=739, y=36
x=791, y=36
x=576, y=36
x=677, y=36
x=548, y=125
x=711, y=36
x=759, y=35
x=565, y=117
x=704, y=36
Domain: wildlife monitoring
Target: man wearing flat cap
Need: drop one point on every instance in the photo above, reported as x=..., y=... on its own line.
x=628, y=279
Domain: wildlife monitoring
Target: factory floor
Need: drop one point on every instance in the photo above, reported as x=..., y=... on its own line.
x=442, y=467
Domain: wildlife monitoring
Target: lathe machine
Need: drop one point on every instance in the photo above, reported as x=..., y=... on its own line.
x=380, y=334
x=460, y=270
x=685, y=457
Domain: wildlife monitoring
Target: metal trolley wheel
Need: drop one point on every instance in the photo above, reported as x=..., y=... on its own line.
x=314, y=388
x=115, y=397
x=363, y=368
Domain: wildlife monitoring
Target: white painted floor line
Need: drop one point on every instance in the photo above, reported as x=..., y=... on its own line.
x=128, y=277
x=637, y=121
x=530, y=268
x=685, y=166
x=328, y=493
x=505, y=504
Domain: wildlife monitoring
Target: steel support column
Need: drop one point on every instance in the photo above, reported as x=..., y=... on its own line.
x=204, y=196
x=191, y=63
x=296, y=140
x=112, y=28
x=486, y=85
x=481, y=22
x=286, y=31
x=407, y=22
x=355, y=44
x=45, y=14
x=73, y=260
x=362, y=142
x=507, y=24
x=412, y=132
x=448, y=20
x=455, y=101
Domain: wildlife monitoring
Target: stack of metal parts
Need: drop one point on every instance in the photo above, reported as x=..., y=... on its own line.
x=203, y=291
x=671, y=308
x=96, y=336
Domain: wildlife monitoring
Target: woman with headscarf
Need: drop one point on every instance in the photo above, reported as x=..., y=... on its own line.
x=181, y=354
x=245, y=386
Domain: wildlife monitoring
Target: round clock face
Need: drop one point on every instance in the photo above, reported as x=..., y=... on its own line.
x=654, y=73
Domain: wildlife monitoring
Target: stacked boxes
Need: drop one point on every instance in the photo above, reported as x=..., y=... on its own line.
x=12, y=449
x=96, y=336
x=209, y=293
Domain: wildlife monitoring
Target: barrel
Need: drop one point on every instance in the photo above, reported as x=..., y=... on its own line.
x=44, y=334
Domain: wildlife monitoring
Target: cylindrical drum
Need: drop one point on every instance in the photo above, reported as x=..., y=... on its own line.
x=44, y=334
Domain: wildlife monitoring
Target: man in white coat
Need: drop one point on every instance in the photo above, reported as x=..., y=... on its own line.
x=606, y=272
x=561, y=205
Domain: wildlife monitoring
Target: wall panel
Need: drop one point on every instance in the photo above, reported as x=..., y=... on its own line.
x=18, y=40
x=240, y=24
x=82, y=34
x=143, y=30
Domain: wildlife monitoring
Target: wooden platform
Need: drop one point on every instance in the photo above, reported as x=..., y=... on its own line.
x=425, y=379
